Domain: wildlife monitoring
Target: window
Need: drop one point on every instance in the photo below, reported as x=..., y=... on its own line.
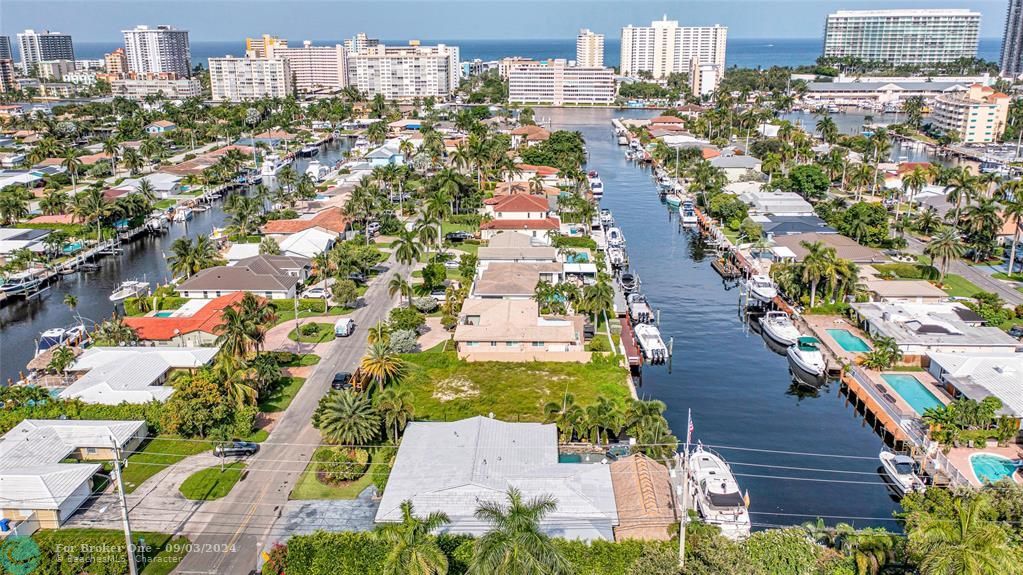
x=90, y=450
x=493, y=344
x=537, y=344
x=511, y=343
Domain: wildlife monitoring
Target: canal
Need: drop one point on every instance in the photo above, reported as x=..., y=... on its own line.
x=799, y=455
x=21, y=321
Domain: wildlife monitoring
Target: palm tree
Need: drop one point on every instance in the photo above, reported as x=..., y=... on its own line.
x=347, y=418
x=116, y=332
x=399, y=285
x=71, y=302
x=927, y=220
x=133, y=160
x=112, y=149
x=565, y=414
x=413, y=548
x=815, y=266
x=945, y=246
x=966, y=544
x=396, y=409
x=961, y=185
x=72, y=163
x=187, y=258
x=1012, y=199
x=235, y=332
x=406, y=247
x=236, y=376
x=913, y=183
x=515, y=544
x=597, y=298
x=827, y=128
x=382, y=365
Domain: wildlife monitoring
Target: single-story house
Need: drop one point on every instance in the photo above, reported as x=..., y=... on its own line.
x=330, y=220
x=644, y=497
x=792, y=225
x=776, y=203
x=307, y=243
x=981, y=375
x=482, y=459
x=193, y=324
x=845, y=247
x=551, y=176
x=541, y=229
x=919, y=328
x=517, y=207
x=912, y=291
x=385, y=155
x=114, y=375
x=164, y=184
x=523, y=188
x=161, y=127
x=35, y=482
x=736, y=166
x=516, y=247
x=514, y=330
x=273, y=277
x=502, y=280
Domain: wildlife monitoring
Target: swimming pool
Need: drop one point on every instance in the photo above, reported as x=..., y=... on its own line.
x=914, y=392
x=989, y=467
x=848, y=341
x=163, y=314
x=570, y=458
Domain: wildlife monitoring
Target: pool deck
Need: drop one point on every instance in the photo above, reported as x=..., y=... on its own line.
x=960, y=458
x=922, y=376
x=820, y=324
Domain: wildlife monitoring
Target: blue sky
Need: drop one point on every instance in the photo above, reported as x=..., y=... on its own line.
x=92, y=21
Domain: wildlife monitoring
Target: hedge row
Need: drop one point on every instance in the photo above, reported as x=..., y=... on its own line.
x=93, y=551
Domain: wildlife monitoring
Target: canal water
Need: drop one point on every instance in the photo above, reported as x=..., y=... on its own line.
x=799, y=455
x=21, y=321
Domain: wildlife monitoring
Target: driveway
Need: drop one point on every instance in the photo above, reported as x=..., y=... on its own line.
x=277, y=337
x=302, y=517
x=977, y=276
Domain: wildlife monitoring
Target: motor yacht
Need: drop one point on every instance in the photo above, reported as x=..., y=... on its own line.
x=628, y=282
x=615, y=237
x=778, y=326
x=719, y=501
x=606, y=219
x=901, y=471
x=272, y=164
x=806, y=355
x=74, y=335
x=21, y=283
x=762, y=288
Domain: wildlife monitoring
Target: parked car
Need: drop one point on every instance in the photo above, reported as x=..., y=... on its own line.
x=440, y=295
x=458, y=236
x=451, y=264
x=373, y=228
x=342, y=380
x=236, y=449
x=315, y=293
x=344, y=327
x=357, y=277
x=1016, y=331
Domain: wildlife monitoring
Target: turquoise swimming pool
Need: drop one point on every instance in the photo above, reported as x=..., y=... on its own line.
x=570, y=458
x=163, y=314
x=848, y=341
x=989, y=467
x=914, y=392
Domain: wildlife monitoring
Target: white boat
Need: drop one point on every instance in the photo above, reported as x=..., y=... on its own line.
x=272, y=163
x=20, y=283
x=622, y=140
x=628, y=282
x=127, y=289
x=309, y=150
x=616, y=256
x=901, y=470
x=806, y=355
x=596, y=184
x=361, y=142
x=762, y=288
x=182, y=214
x=606, y=219
x=673, y=200
x=687, y=212
x=649, y=338
x=717, y=495
x=74, y=335
x=778, y=326
x=316, y=170
x=615, y=237
x=639, y=309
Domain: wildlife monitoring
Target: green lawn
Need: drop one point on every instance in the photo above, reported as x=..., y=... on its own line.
x=155, y=456
x=309, y=487
x=325, y=332
x=304, y=360
x=445, y=388
x=212, y=483
x=909, y=271
x=440, y=347
x=281, y=397
x=448, y=227
x=1005, y=276
x=959, y=286
x=164, y=204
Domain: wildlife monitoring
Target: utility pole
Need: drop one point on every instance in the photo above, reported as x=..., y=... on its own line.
x=132, y=569
x=684, y=474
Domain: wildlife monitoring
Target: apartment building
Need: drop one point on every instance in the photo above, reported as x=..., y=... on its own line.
x=240, y=79
x=704, y=78
x=1012, y=41
x=555, y=82
x=589, y=49
x=258, y=47
x=403, y=72
x=135, y=88
x=314, y=68
x=5, y=48
x=159, y=50
x=506, y=65
x=902, y=37
x=54, y=69
x=978, y=116
x=39, y=46
x=664, y=47
x=116, y=62
x=7, y=82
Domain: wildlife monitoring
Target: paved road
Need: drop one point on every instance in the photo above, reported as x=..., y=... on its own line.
x=228, y=534
x=978, y=277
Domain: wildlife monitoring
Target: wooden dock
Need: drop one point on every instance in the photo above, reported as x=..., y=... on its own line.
x=632, y=352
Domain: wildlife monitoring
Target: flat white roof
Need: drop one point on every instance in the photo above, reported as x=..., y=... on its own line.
x=982, y=375
x=128, y=374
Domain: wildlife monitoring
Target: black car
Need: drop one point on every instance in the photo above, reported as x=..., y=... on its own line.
x=236, y=449
x=1016, y=331
x=342, y=380
x=357, y=277
x=457, y=236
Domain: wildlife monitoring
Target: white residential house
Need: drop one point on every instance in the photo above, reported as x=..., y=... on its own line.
x=522, y=213
x=114, y=375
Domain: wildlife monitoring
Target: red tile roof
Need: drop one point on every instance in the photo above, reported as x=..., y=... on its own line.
x=534, y=133
x=509, y=188
x=906, y=167
x=331, y=219
x=163, y=328
x=541, y=170
x=544, y=224
x=522, y=203
x=667, y=120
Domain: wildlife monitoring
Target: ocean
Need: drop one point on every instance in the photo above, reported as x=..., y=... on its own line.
x=741, y=52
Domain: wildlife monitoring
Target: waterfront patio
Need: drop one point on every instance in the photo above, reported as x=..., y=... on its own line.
x=959, y=457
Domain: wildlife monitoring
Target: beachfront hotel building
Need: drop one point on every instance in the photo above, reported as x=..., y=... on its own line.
x=1012, y=41
x=665, y=48
x=589, y=49
x=556, y=83
x=259, y=47
x=900, y=37
x=159, y=50
x=314, y=68
x=978, y=116
x=240, y=79
x=36, y=47
x=402, y=72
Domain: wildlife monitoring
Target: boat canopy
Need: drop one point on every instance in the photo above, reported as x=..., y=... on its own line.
x=807, y=343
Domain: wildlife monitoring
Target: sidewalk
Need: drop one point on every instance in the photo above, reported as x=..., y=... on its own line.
x=974, y=275
x=277, y=338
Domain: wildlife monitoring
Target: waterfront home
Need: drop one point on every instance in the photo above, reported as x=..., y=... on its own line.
x=273, y=277
x=899, y=290
x=876, y=94
x=525, y=214
x=330, y=220
x=515, y=247
x=31, y=239
x=164, y=184
x=161, y=127
x=386, y=155
x=919, y=328
x=773, y=226
x=194, y=324
x=529, y=135
x=502, y=280
x=307, y=243
x=669, y=122
x=522, y=188
x=114, y=375
x=452, y=467
x=845, y=247
x=550, y=176
x=737, y=167
x=47, y=466
x=981, y=375
x=197, y=165
x=514, y=330
x=644, y=497
x=774, y=203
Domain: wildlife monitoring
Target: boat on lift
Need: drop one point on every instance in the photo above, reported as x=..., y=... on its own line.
x=687, y=213
x=182, y=214
x=317, y=171
x=673, y=200
x=606, y=218
x=778, y=326
x=615, y=237
x=272, y=164
x=649, y=338
x=901, y=471
x=616, y=257
x=596, y=184
x=719, y=500
x=628, y=282
x=22, y=283
x=309, y=150
x=75, y=335
x=127, y=289
x=762, y=288
x=639, y=309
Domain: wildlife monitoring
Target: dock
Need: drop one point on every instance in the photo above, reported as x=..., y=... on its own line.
x=632, y=352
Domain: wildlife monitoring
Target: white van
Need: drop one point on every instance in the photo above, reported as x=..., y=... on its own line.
x=344, y=327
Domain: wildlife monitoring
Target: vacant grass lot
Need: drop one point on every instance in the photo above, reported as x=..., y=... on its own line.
x=212, y=483
x=954, y=285
x=281, y=397
x=446, y=388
